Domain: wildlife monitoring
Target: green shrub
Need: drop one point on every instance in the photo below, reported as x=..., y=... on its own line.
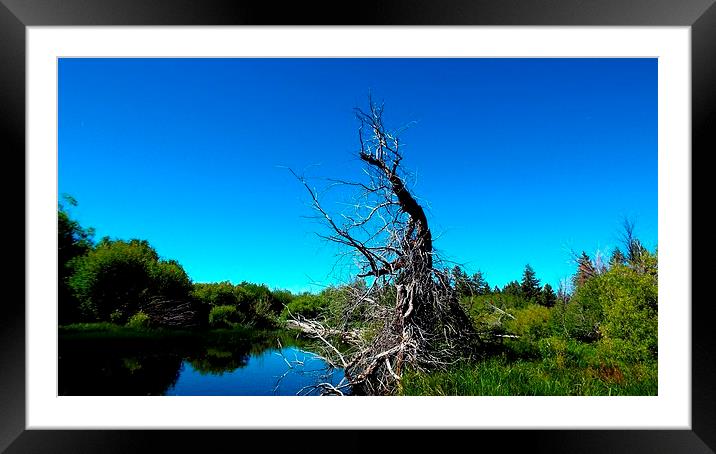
x=116, y=316
x=531, y=324
x=630, y=325
x=255, y=304
x=73, y=241
x=118, y=276
x=138, y=320
x=215, y=293
x=558, y=352
x=224, y=317
x=306, y=305
x=619, y=310
x=582, y=316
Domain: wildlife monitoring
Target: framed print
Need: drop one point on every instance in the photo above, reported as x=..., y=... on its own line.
x=145, y=82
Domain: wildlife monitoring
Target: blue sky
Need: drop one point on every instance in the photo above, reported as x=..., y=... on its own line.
x=518, y=160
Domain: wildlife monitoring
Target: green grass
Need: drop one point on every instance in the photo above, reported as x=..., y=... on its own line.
x=105, y=330
x=502, y=377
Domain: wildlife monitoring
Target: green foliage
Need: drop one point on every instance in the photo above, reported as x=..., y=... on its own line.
x=506, y=301
x=255, y=304
x=482, y=287
x=140, y=320
x=580, y=319
x=469, y=285
x=512, y=288
x=619, y=309
x=120, y=275
x=224, y=317
x=559, y=352
x=306, y=305
x=530, y=285
x=115, y=316
x=169, y=279
x=617, y=258
x=530, y=324
x=72, y=241
x=215, y=294
x=547, y=296
x=630, y=325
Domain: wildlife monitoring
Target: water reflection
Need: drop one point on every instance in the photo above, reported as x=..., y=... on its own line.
x=211, y=363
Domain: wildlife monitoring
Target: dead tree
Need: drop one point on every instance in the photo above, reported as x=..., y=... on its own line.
x=409, y=311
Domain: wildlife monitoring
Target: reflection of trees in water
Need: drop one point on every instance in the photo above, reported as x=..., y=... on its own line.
x=223, y=352
x=216, y=362
x=96, y=372
x=101, y=366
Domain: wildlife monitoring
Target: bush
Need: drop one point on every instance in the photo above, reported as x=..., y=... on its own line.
x=306, y=305
x=531, y=324
x=215, y=294
x=139, y=320
x=73, y=241
x=224, y=317
x=582, y=316
x=618, y=310
x=630, y=324
x=558, y=352
x=118, y=276
x=255, y=304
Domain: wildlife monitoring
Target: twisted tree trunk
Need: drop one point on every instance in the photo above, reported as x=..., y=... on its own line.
x=410, y=308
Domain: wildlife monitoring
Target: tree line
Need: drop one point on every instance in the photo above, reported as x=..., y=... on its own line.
x=126, y=282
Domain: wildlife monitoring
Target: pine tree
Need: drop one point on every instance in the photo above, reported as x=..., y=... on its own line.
x=548, y=297
x=462, y=281
x=585, y=270
x=512, y=288
x=530, y=285
x=479, y=283
x=617, y=258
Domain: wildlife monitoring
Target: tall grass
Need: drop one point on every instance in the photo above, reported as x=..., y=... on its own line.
x=499, y=376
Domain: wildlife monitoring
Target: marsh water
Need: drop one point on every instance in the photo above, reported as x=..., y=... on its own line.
x=224, y=363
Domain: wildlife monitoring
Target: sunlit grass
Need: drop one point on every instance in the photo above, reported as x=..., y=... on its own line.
x=502, y=377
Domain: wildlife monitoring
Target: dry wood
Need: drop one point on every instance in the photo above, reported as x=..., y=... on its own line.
x=410, y=311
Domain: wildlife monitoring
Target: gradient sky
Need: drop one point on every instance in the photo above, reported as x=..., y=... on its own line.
x=519, y=160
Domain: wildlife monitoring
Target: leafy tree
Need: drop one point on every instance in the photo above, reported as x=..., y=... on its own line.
x=72, y=241
x=215, y=293
x=306, y=305
x=530, y=325
x=530, y=285
x=119, y=276
x=255, y=304
x=629, y=302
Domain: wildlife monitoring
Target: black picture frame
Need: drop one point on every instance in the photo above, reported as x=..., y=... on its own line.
x=16, y=15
